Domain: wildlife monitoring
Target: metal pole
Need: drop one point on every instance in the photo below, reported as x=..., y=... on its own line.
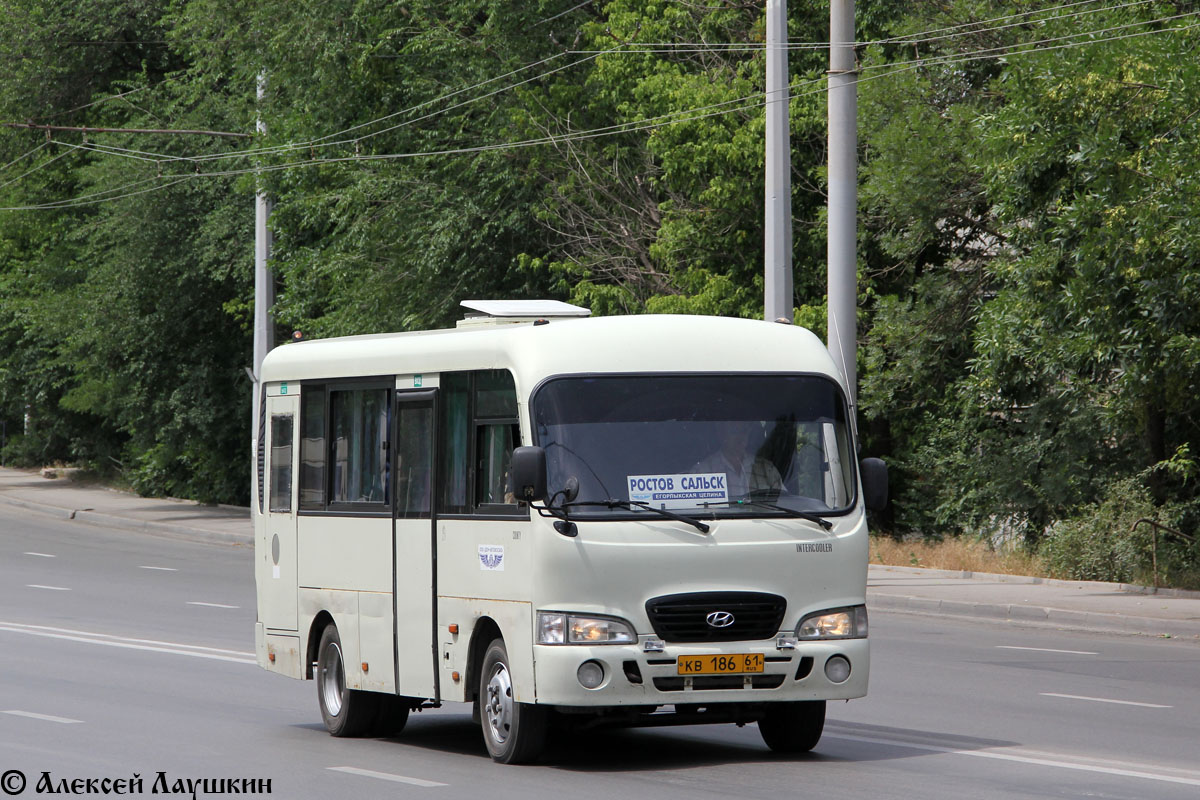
x=843, y=193
x=264, y=287
x=264, y=298
x=777, y=267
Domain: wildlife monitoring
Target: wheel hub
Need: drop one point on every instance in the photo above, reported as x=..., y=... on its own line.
x=498, y=705
x=333, y=682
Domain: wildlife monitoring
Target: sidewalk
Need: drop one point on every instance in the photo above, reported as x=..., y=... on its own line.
x=1067, y=605
x=96, y=505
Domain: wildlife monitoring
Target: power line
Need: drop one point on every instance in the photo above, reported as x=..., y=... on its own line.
x=561, y=14
x=97, y=102
x=622, y=48
x=35, y=169
x=904, y=39
x=1035, y=46
x=24, y=156
x=86, y=130
x=717, y=109
x=908, y=39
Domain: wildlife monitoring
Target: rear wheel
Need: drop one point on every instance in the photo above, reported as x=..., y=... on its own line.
x=346, y=712
x=514, y=733
x=793, y=727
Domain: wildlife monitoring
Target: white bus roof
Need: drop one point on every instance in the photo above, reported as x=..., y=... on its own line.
x=632, y=344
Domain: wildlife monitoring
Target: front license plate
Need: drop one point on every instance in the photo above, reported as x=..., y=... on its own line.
x=734, y=664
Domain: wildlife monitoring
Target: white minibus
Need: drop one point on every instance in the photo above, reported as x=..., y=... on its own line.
x=564, y=521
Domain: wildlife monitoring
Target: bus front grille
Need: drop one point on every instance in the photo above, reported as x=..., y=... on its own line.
x=716, y=616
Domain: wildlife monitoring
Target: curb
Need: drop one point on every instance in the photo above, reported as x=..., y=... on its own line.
x=1040, y=616
x=41, y=508
x=100, y=519
x=1026, y=580
x=171, y=529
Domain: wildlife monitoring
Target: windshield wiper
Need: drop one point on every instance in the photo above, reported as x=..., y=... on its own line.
x=632, y=504
x=791, y=512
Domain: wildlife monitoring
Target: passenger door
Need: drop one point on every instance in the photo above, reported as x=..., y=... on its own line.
x=277, y=547
x=413, y=535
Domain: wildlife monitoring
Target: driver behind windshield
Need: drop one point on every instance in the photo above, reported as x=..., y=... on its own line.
x=737, y=455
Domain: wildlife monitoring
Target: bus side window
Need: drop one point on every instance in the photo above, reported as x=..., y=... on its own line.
x=359, y=419
x=456, y=425
x=312, y=447
x=494, y=445
x=413, y=470
x=479, y=431
x=281, y=463
x=496, y=434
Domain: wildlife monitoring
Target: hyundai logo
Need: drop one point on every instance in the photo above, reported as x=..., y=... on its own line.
x=719, y=619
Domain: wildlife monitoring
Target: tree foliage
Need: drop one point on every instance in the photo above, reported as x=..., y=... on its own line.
x=1028, y=242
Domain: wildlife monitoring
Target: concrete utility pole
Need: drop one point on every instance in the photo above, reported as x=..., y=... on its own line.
x=777, y=267
x=264, y=282
x=843, y=193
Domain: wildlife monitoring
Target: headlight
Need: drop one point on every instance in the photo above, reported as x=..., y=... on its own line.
x=559, y=628
x=843, y=623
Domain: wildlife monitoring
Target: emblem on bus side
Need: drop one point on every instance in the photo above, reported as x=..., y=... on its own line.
x=719, y=619
x=491, y=557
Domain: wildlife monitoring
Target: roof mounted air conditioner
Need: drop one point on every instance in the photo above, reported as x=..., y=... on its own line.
x=508, y=312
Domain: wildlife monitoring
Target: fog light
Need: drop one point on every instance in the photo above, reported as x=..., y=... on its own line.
x=591, y=674
x=837, y=669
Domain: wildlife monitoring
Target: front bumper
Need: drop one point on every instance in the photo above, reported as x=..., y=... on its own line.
x=634, y=677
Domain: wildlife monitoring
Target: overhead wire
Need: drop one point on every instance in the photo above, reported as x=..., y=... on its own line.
x=693, y=47
x=1036, y=46
x=539, y=23
x=716, y=109
x=909, y=38
x=24, y=156
x=323, y=142
x=96, y=102
x=41, y=166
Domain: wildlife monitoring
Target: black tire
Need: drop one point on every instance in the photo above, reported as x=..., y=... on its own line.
x=515, y=733
x=793, y=727
x=346, y=712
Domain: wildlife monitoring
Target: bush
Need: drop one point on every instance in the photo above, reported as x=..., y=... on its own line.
x=1100, y=543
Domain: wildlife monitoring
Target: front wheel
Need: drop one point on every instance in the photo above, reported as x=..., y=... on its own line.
x=793, y=727
x=346, y=712
x=514, y=733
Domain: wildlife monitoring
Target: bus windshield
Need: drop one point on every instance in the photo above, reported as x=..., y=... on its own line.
x=701, y=445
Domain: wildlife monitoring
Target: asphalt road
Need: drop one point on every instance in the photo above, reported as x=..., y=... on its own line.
x=129, y=654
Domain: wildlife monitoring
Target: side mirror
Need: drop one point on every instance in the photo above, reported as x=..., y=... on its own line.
x=874, y=482
x=527, y=474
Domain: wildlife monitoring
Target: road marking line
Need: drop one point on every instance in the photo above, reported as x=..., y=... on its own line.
x=149, y=645
x=163, y=569
x=1046, y=650
x=1037, y=761
x=209, y=605
x=51, y=588
x=41, y=555
x=45, y=717
x=386, y=776
x=1104, y=700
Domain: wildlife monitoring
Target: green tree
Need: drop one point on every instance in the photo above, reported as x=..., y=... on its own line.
x=1045, y=348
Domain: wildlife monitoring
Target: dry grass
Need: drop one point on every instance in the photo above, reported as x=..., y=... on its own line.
x=955, y=554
